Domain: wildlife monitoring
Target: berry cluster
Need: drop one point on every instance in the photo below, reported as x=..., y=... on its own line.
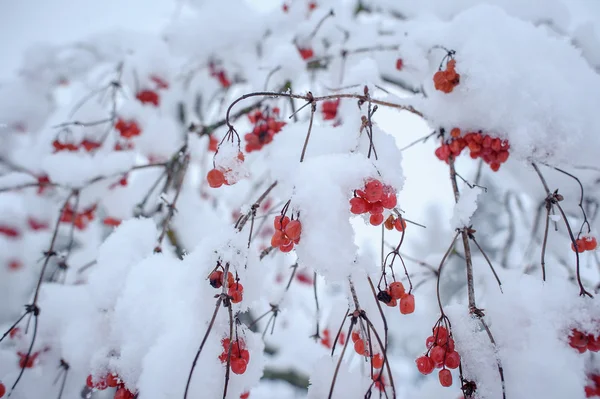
x=440, y=354
x=585, y=243
x=218, y=176
x=127, y=128
x=265, y=127
x=287, y=233
x=9, y=231
x=394, y=292
x=326, y=340
x=361, y=347
x=373, y=199
x=234, y=289
x=110, y=381
x=492, y=151
x=240, y=357
x=584, y=342
x=148, y=97
x=26, y=362
x=219, y=74
x=448, y=79
x=79, y=219
x=591, y=390
x=330, y=109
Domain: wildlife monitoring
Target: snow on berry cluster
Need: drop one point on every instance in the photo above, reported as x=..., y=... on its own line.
x=374, y=198
x=492, y=150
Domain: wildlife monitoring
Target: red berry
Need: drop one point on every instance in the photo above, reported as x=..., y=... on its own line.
x=238, y=365
x=589, y=243
x=577, y=339
x=445, y=377
x=452, y=360
x=359, y=347
x=424, y=365
x=396, y=290
x=389, y=200
x=373, y=190
x=245, y=395
x=441, y=335
x=278, y=239
x=293, y=230
x=14, y=332
x=215, y=178
x=306, y=53
x=99, y=384
x=399, y=64
x=593, y=343
x=287, y=247
x=377, y=361
x=355, y=336
x=358, y=206
x=400, y=224
x=280, y=223
x=407, y=304
x=2, y=389
x=123, y=393
x=216, y=279
x=437, y=355
x=430, y=342
x=236, y=292
x=112, y=380
x=376, y=219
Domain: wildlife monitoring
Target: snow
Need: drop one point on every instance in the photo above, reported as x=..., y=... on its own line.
x=465, y=207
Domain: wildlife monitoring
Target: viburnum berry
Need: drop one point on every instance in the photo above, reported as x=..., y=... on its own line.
x=425, y=364
x=15, y=332
x=9, y=231
x=376, y=219
x=437, y=355
x=293, y=230
x=355, y=336
x=377, y=361
x=330, y=109
x=124, y=393
x=306, y=53
x=238, y=365
x=399, y=64
x=110, y=221
x=396, y=290
x=379, y=381
x=160, y=82
x=215, y=178
x=445, y=377
x=452, y=360
x=407, y=304
x=358, y=206
x=236, y=292
x=148, y=97
x=112, y=380
x=2, y=389
x=359, y=347
x=245, y=395
x=447, y=79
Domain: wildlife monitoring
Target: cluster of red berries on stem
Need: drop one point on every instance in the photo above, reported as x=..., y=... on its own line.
x=218, y=175
x=447, y=79
x=326, y=339
x=79, y=219
x=110, y=381
x=492, y=150
x=593, y=388
x=395, y=292
x=584, y=342
x=127, y=128
x=240, y=357
x=148, y=96
x=585, y=243
x=235, y=290
x=373, y=199
x=87, y=145
x=266, y=126
x=440, y=354
x=361, y=347
x=287, y=233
